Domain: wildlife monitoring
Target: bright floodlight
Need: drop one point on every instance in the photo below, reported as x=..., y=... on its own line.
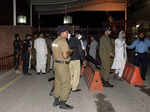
x=67, y=20
x=22, y=19
x=137, y=26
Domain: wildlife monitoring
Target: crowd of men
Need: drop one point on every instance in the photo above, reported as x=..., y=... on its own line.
x=68, y=52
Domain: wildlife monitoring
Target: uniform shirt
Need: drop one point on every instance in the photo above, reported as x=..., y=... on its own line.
x=59, y=46
x=106, y=47
x=140, y=46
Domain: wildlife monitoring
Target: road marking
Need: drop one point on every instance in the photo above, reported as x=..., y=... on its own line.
x=10, y=83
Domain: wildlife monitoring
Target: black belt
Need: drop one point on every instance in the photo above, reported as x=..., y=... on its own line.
x=62, y=62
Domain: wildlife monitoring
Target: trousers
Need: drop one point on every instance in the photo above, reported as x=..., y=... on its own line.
x=105, y=68
x=25, y=58
x=141, y=60
x=62, y=81
x=74, y=67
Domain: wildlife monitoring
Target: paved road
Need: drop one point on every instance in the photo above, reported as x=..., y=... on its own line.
x=20, y=93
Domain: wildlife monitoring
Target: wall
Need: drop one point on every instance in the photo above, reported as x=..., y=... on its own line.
x=7, y=37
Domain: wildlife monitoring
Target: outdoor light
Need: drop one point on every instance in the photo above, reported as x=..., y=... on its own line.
x=22, y=19
x=67, y=20
x=137, y=26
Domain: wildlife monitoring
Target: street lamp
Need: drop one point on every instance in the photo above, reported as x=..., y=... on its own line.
x=67, y=20
x=22, y=19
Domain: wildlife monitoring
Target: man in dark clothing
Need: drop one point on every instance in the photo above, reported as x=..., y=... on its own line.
x=16, y=51
x=26, y=54
x=75, y=45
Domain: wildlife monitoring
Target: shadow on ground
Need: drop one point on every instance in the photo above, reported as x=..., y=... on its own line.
x=145, y=90
x=102, y=105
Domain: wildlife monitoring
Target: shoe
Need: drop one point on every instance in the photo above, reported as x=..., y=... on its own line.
x=65, y=106
x=51, y=79
x=38, y=73
x=77, y=90
x=50, y=69
x=44, y=73
x=102, y=80
x=107, y=84
x=47, y=71
x=29, y=74
x=56, y=102
x=143, y=78
x=120, y=79
x=98, y=66
x=25, y=73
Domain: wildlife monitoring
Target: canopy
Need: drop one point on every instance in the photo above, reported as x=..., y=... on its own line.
x=45, y=7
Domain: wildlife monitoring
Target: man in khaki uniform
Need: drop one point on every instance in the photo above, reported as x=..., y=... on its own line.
x=61, y=53
x=106, y=53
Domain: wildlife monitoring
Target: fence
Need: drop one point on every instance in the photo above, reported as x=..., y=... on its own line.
x=6, y=63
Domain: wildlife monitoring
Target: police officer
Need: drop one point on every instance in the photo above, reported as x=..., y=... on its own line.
x=105, y=53
x=26, y=54
x=61, y=53
x=141, y=46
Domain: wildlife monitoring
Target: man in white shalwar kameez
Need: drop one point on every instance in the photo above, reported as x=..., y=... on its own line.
x=41, y=54
x=120, y=55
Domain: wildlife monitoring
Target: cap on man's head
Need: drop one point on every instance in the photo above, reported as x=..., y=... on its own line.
x=141, y=31
x=62, y=29
x=107, y=27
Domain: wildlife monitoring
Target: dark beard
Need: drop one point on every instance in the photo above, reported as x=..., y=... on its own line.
x=141, y=39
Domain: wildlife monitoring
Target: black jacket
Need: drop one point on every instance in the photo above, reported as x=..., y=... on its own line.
x=26, y=46
x=16, y=46
x=75, y=45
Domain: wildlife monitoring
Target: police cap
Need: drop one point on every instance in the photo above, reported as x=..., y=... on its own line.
x=107, y=27
x=141, y=31
x=62, y=29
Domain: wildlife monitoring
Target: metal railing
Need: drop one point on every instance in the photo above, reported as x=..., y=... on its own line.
x=6, y=63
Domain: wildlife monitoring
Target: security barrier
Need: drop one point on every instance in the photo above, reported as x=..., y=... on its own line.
x=6, y=63
x=92, y=78
x=132, y=75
